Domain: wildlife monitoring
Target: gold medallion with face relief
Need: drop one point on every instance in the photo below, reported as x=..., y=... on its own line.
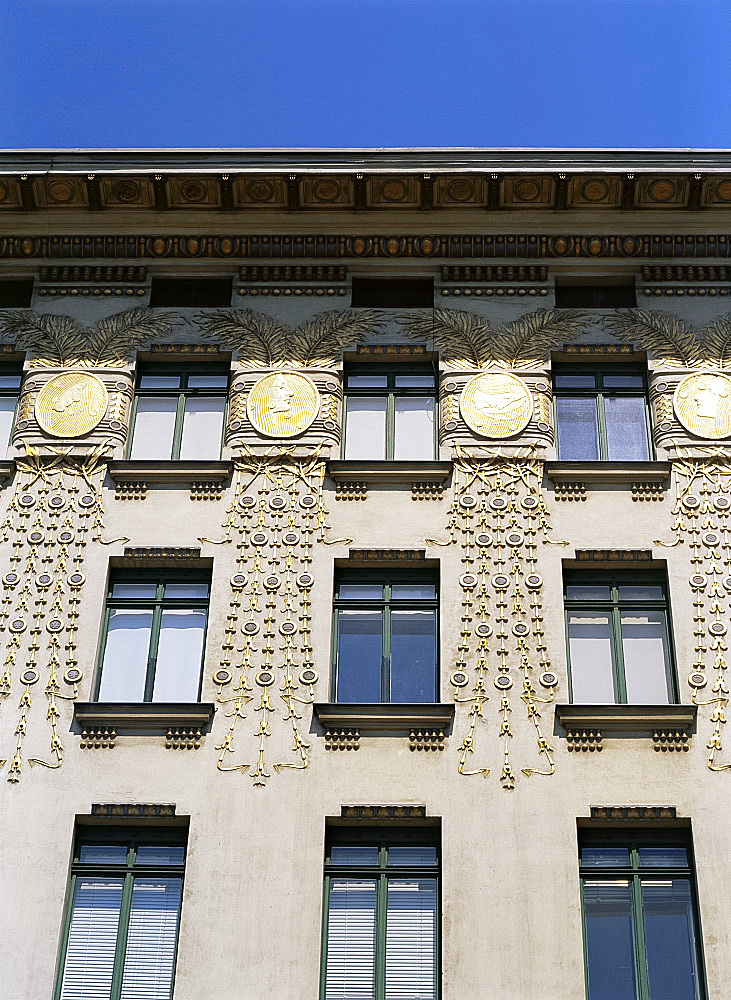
x=496, y=405
x=283, y=404
x=702, y=404
x=71, y=405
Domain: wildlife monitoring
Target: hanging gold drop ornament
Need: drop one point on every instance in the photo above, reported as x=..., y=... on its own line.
x=283, y=404
x=702, y=404
x=496, y=405
x=71, y=405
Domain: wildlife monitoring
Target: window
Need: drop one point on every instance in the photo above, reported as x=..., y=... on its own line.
x=389, y=413
x=179, y=413
x=154, y=636
x=386, y=637
x=393, y=293
x=641, y=936
x=121, y=932
x=15, y=293
x=10, y=379
x=618, y=639
x=190, y=292
x=381, y=926
x=595, y=296
x=601, y=414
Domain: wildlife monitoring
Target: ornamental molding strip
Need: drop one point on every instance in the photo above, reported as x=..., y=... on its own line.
x=632, y=814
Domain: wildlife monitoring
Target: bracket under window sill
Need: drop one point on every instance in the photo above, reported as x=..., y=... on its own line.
x=424, y=724
x=352, y=479
x=647, y=480
x=205, y=479
x=182, y=723
x=585, y=726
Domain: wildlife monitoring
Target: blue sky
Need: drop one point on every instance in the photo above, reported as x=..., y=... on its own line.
x=329, y=73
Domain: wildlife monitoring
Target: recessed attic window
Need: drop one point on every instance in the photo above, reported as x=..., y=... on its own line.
x=596, y=296
x=393, y=293
x=15, y=293
x=201, y=292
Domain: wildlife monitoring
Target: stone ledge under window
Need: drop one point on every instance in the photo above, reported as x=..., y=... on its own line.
x=169, y=472
x=389, y=472
x=586, y=726
x=397, y=718
x=7, y=468
x=646, y=479
x=149, y=716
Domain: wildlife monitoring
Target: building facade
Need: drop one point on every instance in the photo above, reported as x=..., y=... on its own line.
x=365, y=552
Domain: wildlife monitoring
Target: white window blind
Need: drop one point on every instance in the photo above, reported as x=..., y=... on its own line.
x=153, y=929
x=89, y=965
x=351, y=940
x=411, y=939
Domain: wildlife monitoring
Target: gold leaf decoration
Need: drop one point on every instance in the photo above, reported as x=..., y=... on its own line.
x=667, y=338
x=717, y=341
x=259, y=338
x=463, y=339
x=530, y=339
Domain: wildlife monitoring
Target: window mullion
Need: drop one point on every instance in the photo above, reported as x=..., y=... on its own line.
x=178, y=432
x=601, y=427
x=620, y=681
x=381, y=915
x=324, y=936
x=643, y=983
x=122, y=932
x=386, y=655
x=390, y=425
x=152, y=653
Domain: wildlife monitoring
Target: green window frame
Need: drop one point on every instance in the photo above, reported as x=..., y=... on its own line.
x=603, y=385
x=133, y=875
x=607, y=601
x=640, y=918
x=160, y=599
x=384, y=864
x=11, y=380
x=389, y=389
x=178, y=397
x=408, y=648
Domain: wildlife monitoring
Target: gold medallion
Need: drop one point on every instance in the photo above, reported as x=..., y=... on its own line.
x=283, y=404
x=496, y=405
x=71, y=405
x=702, y=404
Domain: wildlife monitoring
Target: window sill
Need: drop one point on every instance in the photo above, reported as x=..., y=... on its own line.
x=389, y=472
x=398, y=718
x=667, y=725
x=169, y=472
x=608, y=472
x=148, y=716
x=7, y=468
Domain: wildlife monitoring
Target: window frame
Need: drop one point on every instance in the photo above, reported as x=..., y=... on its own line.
x=615, y=579
x=158, y=605
x=183, y=393
x=7, y=370
x=382, y=838
x=133, y=837
x=387, y=578
x=599, y=393
x=633, y=873
x=391, y=392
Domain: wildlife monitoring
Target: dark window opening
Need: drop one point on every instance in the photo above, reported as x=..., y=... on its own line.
x=201, y=292
x=596, y=296
x=393, y=293
x=15, y=293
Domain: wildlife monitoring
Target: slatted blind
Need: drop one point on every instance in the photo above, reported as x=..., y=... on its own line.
x=411, y=925
x=351, y=940
x=153, y=929
x=89, y=966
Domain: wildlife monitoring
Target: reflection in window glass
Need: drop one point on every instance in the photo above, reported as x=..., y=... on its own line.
x=359, y=656
x=102, y=854
x=414, y=429
x=670, y=942
x=124, y=669
x=179, y=655
x=645, y=657
x=578, y=431
x=365, y=428
x=154, y=427
x=590, y=655
x=610, y=940
x=626, y=424
x=413, y=656
x=202, y=428
x=352, y=855
x=7, y=419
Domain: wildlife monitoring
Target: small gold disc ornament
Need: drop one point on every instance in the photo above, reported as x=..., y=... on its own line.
x=71, y=405
x=496, y=405
x=702, y=404
x=283, y=404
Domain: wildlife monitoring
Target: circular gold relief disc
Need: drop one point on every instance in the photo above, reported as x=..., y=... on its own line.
x=283, y=404
x=702, y=404
x=71, y=405
x=496, y=405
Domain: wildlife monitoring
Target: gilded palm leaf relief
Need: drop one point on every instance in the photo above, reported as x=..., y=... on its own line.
x=264, y=342
x=670, y=341
x=61, y=342
x=467, y=340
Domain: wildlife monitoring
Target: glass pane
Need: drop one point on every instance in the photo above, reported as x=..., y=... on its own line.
x=153, y=855
x=208, y=381
x=202, y=427
x=403, y=856
x=646, y=593
x=626, y=429
x=183, y=591
x=645, y=657
x=360, y=656
x=574, y=381
x=159, y=382
x=605, y=857
x=7, y=415
x=670, y=940
x=663, y=857
x=149, y=961
x=367, y=381
x=354, y=855
x=413, y=656
x=179, y=655
x=361, y=591
x=587, y=593
x=578, y=434
x=89, y=965
x=413, y=591
x=624, y=382
x=590, y=656
x=125, y=656
x=411, y=939
x=610, y=941
x=351, y=940
x=154, y=427
x=365, y=427
x=103, y=854
x=414, y=430
x=135, y=591
x=10, y=381
x=414, y=381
